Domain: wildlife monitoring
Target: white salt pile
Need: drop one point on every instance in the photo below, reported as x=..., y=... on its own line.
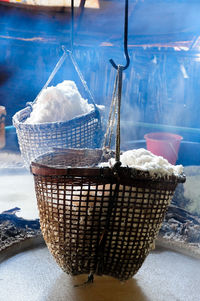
x=143, y=159
x=60, y=103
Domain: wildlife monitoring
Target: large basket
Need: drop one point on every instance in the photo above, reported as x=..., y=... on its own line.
x=38, y=139
x=97, y=220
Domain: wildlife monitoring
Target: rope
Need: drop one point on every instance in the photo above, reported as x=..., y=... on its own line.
x=88, y=281
x=120, y=69
x=119, y=96
x=111, y=118
x=112, y=123
x=101, y=246
x=115, y=110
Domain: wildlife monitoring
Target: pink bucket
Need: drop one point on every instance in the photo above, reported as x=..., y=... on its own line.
x=164, y=144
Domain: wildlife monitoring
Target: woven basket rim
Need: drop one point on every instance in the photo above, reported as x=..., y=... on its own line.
x=27, y=110
x=38, y=168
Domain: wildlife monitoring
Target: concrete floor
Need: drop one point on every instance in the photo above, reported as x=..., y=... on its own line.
x=17, y=190
x=165, y=276
x=16, y=186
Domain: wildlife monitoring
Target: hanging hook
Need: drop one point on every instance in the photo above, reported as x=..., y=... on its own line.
x=125, y=40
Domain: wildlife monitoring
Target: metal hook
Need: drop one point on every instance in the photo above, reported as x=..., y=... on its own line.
x=125, y=40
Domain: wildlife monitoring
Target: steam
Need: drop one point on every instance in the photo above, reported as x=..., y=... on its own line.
x=185, y=75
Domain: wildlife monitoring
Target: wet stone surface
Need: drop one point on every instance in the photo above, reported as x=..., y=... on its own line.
x=181, y=225
x=15, y=190
x=182, y=221
x=14, y=229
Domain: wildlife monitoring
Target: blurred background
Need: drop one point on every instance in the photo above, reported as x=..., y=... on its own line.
x=161, y=85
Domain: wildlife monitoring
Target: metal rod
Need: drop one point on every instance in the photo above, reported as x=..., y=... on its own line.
x=72, y=25
x=125, y=40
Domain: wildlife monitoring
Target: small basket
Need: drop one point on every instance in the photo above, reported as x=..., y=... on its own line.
x=37, y=139
x=98, y=220
x=84, y=131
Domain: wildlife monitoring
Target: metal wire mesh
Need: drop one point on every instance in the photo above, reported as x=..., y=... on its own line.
x=94, y=221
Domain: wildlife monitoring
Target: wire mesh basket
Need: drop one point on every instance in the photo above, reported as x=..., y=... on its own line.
x=37, y=139
x=80, y=132
x=96, y=220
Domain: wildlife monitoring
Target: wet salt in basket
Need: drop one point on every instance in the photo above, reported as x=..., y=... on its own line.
x=98, y=220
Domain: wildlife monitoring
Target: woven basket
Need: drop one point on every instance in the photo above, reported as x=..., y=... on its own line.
x=38, y=139
x=97, y=220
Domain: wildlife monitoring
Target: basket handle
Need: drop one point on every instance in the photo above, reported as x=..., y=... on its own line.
x=62, y=59
x=76, y=67
x=55, y=70
x=84, y=83
x=53, y=73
